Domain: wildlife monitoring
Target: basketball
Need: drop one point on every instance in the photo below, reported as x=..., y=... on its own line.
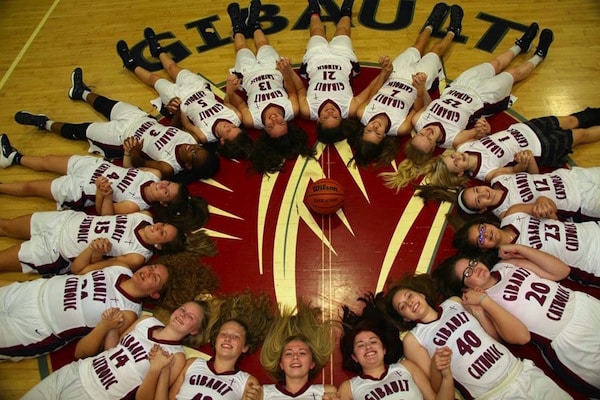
x=325, y=196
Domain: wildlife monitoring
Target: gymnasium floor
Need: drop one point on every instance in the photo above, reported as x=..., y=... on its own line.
x=267, y=238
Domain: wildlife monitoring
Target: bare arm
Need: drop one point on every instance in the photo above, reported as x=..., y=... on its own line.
x=105, y=335
x=416, y=353
x=92, y=254
x=130, y=260
x=292, y=83
x=541, y=263
x=525, y=162
x=236, y=102
x=192, y=129
x=253, y=389
x=509, y=327
x=373, y=87
x=446, y=387
x=155, y=384
x=481, y=129
x=133, y=158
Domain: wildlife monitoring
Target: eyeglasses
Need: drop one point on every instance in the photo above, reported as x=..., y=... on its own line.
x=468, y=271
x=481, y=236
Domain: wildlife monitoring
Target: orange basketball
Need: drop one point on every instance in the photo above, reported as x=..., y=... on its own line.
x=325, y=196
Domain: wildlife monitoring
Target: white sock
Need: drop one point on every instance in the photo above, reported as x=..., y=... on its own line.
x=516, y=50
x=85, y=94
x=535, y=60
x=49, y=125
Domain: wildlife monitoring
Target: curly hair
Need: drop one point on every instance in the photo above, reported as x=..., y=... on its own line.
x=371, y=319
x=306, y=326
x=188, y=277
x=188, y=214
x=421, y=283
x=254, y=312
x=270, y=153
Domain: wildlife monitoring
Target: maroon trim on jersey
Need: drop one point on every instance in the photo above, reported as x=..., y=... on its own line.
x=387, y=120
x=78, y=204
x=151, y=335
x=211, y=365
x=496, y=275
x=142, y=187
x=442, y=138
x=53, y=268
x=46, y=345
x=123, y=278
x=268, y=107
x=499, y=186
x=213, y=128
x=514, y=230
x=544, y=345
x=329, y=101
x=372, y=378
x=477, y=166
x=178, y=156
x=281, y=387
x=139, y=227
x=439, y=311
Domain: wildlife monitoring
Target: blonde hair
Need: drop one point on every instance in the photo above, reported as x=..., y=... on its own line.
x=417, y=156
x=440, y=175
x=200, y=243
x=406, y=173
x=306, y=325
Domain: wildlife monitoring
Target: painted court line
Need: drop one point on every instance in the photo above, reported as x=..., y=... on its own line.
x=27, y=44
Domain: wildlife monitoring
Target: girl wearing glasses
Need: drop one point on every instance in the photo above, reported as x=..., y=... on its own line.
x=572, y=242
x=482, y=367
x=564, y=323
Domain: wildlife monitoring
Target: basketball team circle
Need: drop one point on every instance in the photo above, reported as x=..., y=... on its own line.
x=325, y=196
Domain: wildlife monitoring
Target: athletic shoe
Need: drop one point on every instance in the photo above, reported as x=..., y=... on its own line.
x=314, y=7
x=527, y=39
x=346, y=8
x=437, y=16
x=27, y=118
x=456, y=16
x=153, y=45
x=125, y=54
x=8, y=153
x=252, y=22
x=233, y=9
x=546, y=38
x=77, y=85
x=588, y=117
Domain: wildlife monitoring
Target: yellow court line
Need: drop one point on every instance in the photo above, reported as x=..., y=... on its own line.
x=27, y=44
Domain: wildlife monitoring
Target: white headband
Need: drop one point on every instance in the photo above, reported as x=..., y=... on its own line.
x=462, y=205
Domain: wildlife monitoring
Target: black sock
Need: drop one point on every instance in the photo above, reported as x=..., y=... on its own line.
x=17, y=159
x=75, y=131
x=104, y=105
